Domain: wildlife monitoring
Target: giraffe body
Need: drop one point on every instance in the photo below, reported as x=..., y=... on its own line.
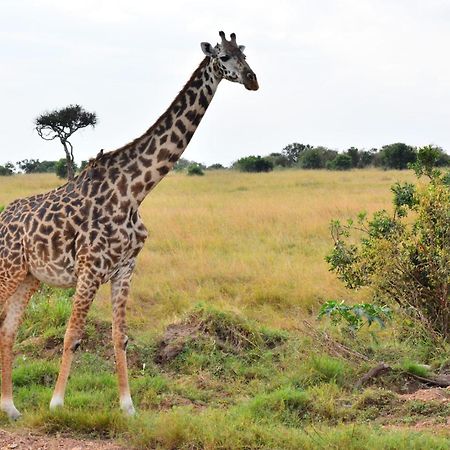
x=89, y=231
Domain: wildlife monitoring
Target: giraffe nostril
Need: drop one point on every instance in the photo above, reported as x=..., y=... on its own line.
x=251, y=76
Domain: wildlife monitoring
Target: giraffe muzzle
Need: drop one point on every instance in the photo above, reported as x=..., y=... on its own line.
x=251, y=83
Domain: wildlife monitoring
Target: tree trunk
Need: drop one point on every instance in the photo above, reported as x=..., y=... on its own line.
x=69, y=159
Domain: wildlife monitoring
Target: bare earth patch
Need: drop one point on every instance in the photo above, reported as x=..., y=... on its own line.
x=426, y=395
x=436, y=395
x=34, y=441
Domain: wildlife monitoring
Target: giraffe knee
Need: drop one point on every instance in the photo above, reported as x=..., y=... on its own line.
x=120, y=341
x=72, y=343
x=76, y=345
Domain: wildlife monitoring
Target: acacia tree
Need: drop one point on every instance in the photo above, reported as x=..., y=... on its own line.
x=62, y=124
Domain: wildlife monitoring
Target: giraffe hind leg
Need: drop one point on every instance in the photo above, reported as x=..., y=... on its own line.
x=12, y=315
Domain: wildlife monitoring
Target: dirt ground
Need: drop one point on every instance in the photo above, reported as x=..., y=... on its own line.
x=34, y=441
x=425, y=395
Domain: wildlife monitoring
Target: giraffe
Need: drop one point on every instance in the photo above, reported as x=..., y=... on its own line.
x=89, y=231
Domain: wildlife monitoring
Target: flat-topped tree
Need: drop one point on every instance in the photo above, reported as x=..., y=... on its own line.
x=62, y=124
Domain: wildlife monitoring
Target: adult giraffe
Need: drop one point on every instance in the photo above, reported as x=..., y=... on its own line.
x=89, y=231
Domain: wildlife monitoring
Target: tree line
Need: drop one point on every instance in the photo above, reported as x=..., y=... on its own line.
x=303, y=156
x=58, y=167
x=393, y=156
x=61, y=124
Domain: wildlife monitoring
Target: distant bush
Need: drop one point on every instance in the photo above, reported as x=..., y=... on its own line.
x=36, y=166
x=6, y=170
x=405, y=256
x=316, y=158
x=253, y=164
x=279, y=160
x=396, y=156
x=361, y=158
x=195, y=169
x=61, y=168
x=216, y=166
x=341, y=162
x=366, y=157
x=182, y=164
x=2, y=208
x=292, y=153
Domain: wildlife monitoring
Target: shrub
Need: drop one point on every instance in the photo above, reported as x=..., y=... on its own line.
x=341, y=162
x=36, y=166
x=397, y=156
x=61, y=168
x=6, y=170
x=404, y=256
x=279, y=160
x=316, y=158
x=254, y=164
x=366, y=157
x=195, y=169
x=356, y=315
x=292, y=152
x=216, y=166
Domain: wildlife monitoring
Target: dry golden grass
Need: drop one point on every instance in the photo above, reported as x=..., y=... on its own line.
x=249, y=242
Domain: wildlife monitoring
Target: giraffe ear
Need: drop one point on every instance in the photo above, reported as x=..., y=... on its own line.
x=208, y=49
x=242, y=48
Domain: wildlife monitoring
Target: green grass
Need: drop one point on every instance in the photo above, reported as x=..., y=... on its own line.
x=415, y=368
x=236, y=385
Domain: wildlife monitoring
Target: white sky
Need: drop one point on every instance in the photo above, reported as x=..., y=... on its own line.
x=336, y=73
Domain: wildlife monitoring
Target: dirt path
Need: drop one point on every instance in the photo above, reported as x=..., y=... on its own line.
x=34, y=441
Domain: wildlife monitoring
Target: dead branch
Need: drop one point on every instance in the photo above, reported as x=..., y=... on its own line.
x=440, y=380
x=372, y=373
x=331, y=345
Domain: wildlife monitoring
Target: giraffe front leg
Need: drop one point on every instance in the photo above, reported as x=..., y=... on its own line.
x=85, y=293
x=119, y=295
x=12, y=316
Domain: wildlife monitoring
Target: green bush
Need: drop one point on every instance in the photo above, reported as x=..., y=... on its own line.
x=216, y=166
x=355, y=315
x=316, y=158
x=341, y=162
x=403, y=256
x=396, y=156
x=61, y=168
x=6, y=170
x=195, y=169
x=254, y=164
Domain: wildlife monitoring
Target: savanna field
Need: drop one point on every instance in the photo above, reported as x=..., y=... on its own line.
x=225, y=347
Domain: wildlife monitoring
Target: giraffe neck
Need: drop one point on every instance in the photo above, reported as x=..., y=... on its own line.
x=137, y=167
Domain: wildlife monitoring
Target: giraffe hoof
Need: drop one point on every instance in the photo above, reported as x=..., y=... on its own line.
x=56, y=403
x=11, y=411
x=128, y=409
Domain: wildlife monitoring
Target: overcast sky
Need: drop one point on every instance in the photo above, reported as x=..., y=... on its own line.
x=336, y=73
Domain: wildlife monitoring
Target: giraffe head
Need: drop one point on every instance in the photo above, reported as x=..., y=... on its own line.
x=230, y=61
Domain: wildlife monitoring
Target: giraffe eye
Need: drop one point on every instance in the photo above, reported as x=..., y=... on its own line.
x=224, y=58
